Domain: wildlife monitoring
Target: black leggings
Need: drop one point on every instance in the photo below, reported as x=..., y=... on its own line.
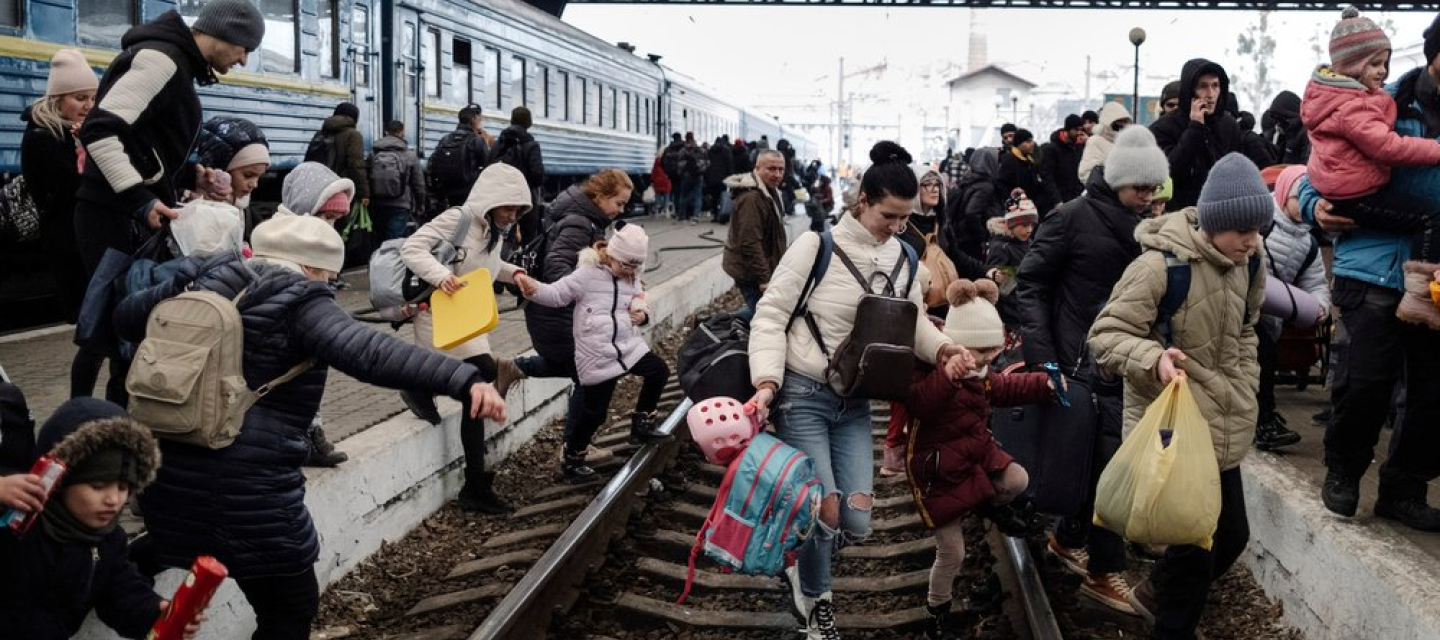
x=1397, y=213
x=1183, y=577
x=285, y=606
x=472, y=430
x=596, y=401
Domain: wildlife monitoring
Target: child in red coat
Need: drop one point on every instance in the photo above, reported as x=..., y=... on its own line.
x=954, y=463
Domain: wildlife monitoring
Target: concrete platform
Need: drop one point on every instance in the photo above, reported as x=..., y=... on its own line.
x=1361, y=578
x=401, y=469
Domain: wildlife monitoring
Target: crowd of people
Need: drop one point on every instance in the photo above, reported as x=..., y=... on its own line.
x=1059, y=256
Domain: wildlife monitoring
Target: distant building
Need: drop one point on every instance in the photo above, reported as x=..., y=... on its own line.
x=984, y=98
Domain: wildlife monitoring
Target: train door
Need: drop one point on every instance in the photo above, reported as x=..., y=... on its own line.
x=363, y=79
x=408, y=78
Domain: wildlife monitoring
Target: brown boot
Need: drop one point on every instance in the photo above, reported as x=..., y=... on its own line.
x=1416, y=306
x=506, y=375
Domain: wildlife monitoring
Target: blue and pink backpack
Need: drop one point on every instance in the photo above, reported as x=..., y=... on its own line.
x=766, y=506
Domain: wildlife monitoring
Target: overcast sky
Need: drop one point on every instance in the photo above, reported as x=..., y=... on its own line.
x=756, y=53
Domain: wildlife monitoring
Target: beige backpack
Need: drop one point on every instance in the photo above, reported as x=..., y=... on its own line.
x=187, y=382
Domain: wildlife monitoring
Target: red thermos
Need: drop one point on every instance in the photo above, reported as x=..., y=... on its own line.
x=50, y=469
x=190, y=599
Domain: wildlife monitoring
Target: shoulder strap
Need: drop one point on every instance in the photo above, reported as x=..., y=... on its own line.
x=1309, y=256
x=1177, y=287
x=855, y=271
x=289, y=375
x=913, y=259
x=1254, y=267
x=817, y=271
x=460, y=229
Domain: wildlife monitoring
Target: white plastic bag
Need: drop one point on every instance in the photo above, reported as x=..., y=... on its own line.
x=208, y=226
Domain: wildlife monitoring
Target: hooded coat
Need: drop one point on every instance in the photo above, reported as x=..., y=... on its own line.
x=1353, y=139
x=245, y=503
x=573, y=223
x=1060, y=164
x=952, y=451
x=1020, y=171
x=499, y=185
x=48, y=164
x=1210, y=326
x=722, y=164
x=607, y=341
x=519, y=149
x=349, y=152
x=51, y=586
x=979, y=200
x=1191, y=147
x=1283, y=130
x=309, y=185
x=1098, y=146
x=1075, y=259
x=756, y=240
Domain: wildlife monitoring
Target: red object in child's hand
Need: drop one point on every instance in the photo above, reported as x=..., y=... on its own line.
x=50, y=469
x=190, y=599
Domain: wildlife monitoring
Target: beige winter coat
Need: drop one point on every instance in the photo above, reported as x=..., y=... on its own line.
x=1098, y=146
x=1208, y=327
x=499, y=185
x=772, y=350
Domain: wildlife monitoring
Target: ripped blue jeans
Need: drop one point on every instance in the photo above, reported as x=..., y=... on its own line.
x=835, y=433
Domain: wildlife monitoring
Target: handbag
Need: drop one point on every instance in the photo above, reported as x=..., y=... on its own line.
x=19, y=216
x=358, y=235
x=875, y=360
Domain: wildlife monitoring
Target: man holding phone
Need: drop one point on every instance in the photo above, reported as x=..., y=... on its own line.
x=1200, y=131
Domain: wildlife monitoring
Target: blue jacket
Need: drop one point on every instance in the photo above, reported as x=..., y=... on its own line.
x=1375, y=257
x=48, y=588
x=245, y=503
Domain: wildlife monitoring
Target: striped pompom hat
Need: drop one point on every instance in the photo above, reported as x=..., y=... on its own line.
x=1353, y=40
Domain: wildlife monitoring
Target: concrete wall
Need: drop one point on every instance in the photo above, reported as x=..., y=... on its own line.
x=403, y=470
x=1338, y=578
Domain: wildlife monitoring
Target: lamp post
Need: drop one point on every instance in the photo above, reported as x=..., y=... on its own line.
x=1137, y=38
x=1015, y=109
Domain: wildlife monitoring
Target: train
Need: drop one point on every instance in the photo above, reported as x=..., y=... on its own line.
x=594, y=104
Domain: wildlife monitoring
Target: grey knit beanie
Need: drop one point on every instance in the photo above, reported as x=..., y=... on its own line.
x=1135, y=160
x=235, y=21
x=1234, y=197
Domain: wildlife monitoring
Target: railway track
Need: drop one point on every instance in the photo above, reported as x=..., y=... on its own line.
x=608, y=560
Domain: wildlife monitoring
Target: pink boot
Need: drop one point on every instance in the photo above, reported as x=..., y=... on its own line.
x=893, y=462
x=1416, y=306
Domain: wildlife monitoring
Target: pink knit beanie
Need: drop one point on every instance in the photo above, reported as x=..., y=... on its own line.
x=1353, y=40
x=338, y=202
x=69, y=72
x=629, y=245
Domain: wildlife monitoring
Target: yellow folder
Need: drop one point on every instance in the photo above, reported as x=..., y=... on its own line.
x=467, y=313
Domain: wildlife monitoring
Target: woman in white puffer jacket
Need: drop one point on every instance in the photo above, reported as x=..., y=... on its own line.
x=787, y=368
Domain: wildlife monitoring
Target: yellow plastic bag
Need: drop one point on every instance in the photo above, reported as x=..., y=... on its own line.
x=1156, y=493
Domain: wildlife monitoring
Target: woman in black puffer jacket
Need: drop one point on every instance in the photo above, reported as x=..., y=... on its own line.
x=245, y=503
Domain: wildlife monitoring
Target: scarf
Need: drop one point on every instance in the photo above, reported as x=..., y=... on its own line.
x=61, y=526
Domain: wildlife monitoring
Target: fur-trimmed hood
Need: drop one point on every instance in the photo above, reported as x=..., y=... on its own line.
x=82, y=427
x=998, y=227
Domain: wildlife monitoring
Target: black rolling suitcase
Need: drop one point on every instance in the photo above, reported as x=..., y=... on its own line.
x=1055, y=445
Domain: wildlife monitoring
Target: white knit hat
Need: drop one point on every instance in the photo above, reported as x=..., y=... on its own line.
x=69, y=72
x=303, y=240
x=973, y=322
x=1136, y=160
x=629, y=245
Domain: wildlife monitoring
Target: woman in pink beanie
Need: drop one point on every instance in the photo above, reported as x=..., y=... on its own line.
x=609, y=301
x=48, y=155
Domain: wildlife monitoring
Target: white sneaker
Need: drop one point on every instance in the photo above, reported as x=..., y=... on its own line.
x=822, y=619
x=800, y=605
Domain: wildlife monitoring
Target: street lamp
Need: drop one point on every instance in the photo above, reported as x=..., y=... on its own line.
x=1137, y=38
x=1015, y=109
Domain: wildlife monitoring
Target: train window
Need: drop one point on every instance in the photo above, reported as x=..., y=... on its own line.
x=592, y=103
x=577, y=99
x=104, y=21
x=328, y=14
x=492, y=78
x=280, y=45
x=430, y=58
x=517, y=82
x=541, y=103
x=360, y=44
x=613, y=110
x=625, y=111
x=600, y=105
x=648, y=119
x=10, y=15
x=562, y=90
x=461, y=89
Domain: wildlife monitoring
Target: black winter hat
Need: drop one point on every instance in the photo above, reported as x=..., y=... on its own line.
x=520, y=117
x=1090, y=116
x=1432, y=40
x=348, y=109
x=98, y=441
x=1073, y=121
x=221, y=137
x=1022, y=136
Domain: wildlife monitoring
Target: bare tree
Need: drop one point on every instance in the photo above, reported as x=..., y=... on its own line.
x=1257, y=48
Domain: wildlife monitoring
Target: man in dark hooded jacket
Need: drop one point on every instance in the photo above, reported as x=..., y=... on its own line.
x=1060, y=161
x=721, y=166
x=1282, y=129
x=519, y=149
x=1200, y=132
x=974, y=202
x=341, y=146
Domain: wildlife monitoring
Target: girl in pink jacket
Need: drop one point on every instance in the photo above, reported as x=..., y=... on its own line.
x=1351, y=119
x=610, y=307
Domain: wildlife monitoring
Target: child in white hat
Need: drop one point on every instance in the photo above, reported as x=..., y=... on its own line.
x=953, y=461
x=609, y=300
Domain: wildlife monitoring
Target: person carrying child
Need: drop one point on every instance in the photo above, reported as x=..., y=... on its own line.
x=1212, y=341
x=75, y=559
x=1009, y=240
x=609, y=300
x=954, y=464
x=1351, y=120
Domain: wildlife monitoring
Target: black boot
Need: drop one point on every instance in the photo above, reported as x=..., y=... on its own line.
x=573, y=467
x=1017, y=519
x=1272, y=434
x=479, y=496
x=1341, y=494
x=939, y=626
x=644, y=429
x=322, y=453
x=422, y=405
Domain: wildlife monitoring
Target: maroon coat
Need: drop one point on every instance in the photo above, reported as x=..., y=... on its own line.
x=952, y=453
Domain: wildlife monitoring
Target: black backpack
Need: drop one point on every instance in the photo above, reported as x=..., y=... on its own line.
x=714, y=361
x=322, y=150
x=530, y=256
x=451, y=164
x=388, y=174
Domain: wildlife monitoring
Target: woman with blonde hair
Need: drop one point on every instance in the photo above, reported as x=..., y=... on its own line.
x=48, y=161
